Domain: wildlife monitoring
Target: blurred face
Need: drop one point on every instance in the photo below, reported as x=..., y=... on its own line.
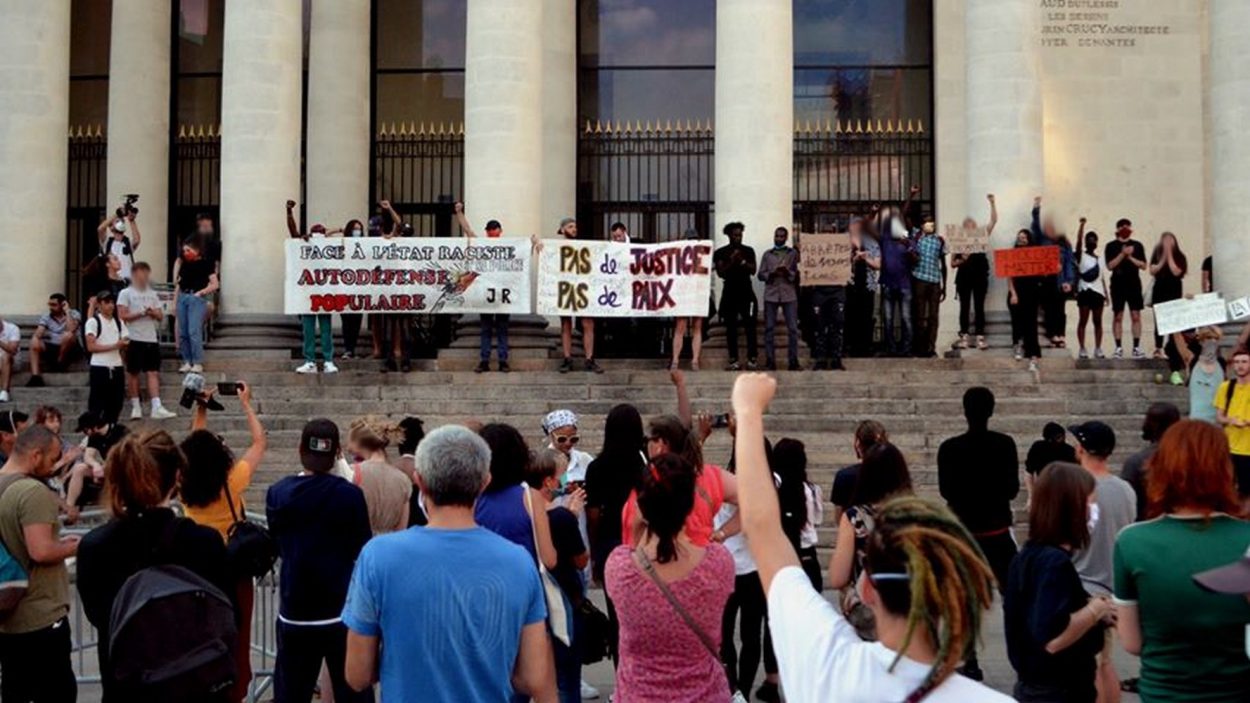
x=106, y=306
x=140, y=277
x=44, y=460
x=1241, y=366
x=619, y=234
x=54, y=307
x=1022, y=238
x=204, y=226
x=656, y=446
x=53, y=423
x=969, y=223
x=780, y=237
x=1091, y=241
x=1169, y=242
x=114, y=263
x=1124, y=231
x=569, y=230
x=565, y=438
x=735, y=236
x=493, y=231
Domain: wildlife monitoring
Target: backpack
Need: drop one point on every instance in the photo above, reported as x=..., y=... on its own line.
x=127, y=250
x=172, y=633
x=99, y=325
x=14, y=581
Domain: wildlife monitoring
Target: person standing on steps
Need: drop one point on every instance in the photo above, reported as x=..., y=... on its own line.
x=314, y=322
x=735, y=265
x=116, y=238
x=140, y=308
x=1232, y=403
x=1159, y=417
x=972, y=282
x=1058, y=288
x=779, y=270
x=352, y=321
x=494, y=325
x=568, y=230
x=979, y=476
x=861, y=298
x=1126, y=258
x=195, y=278
x=1023, y=300
x=1168, y=265
x=1091, y=296
x=928, y=288
x=106, y=337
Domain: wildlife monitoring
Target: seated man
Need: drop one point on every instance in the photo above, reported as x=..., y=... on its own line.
x=55, y=342
x=10, y=344
x=86, y=479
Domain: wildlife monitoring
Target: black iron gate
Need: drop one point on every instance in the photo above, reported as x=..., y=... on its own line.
x=195, y=187
x=420, y=169
x=88, y=156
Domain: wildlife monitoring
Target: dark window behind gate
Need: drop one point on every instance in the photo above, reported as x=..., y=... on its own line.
x=420, y=169
x=195, y=188
x=88, y=157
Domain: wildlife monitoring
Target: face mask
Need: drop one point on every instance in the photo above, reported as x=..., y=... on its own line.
x=1093, y=517
x=119, y=226
x=357, y=232
x=1209, y=349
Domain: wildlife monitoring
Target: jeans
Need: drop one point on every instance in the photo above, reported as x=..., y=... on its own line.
x=35, y=666
x=106, y=391
x=311, y=322
x=569, y=664
x=747, y=601
x=735, y=313
x=791, y=312
x=191, y=312
x=301, y=649
x=829, y=303
x=926, y=297
x=972, y=296
x=897, y=308
x=496, y=325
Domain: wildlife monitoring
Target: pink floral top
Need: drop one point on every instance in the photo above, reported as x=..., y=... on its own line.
x=661, y=659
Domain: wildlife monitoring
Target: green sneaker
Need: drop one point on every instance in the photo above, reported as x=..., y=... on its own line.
x=1177, y=379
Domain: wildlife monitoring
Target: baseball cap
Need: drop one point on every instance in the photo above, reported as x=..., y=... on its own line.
x=1231, y=578
x=319, y=445
x=104, y=295
x=89, y=421
x=1095, y=437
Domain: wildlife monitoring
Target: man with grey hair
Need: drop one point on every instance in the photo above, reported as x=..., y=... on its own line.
x=460, y=609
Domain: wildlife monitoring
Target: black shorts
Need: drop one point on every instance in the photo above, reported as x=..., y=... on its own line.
x=1241, y=473
x=1126, y=292
x=143, y=356
x=1090, y=299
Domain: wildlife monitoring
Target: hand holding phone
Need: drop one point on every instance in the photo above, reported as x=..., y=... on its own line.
x=228, y=388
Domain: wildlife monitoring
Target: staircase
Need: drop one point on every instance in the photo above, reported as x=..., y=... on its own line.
x=919, y=401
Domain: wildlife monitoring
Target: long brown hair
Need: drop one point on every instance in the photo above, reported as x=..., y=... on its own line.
x=1058, y=509
x=141, y=472
x=1191, y=469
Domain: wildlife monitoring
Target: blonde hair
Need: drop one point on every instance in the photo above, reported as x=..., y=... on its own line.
x=1210, y=333
x=374, y=434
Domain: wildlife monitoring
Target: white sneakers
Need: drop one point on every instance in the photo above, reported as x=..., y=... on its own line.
x=160, y=413
x=329, y=367
x=307, y=367
x=185, y=368
x=136, y=412
x=4, y=396
x=1138, y=353
x=589, y=693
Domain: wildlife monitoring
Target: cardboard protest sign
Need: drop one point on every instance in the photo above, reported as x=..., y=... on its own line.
x=1189, y=313
x=407, y=276
x=1026, y=261
x=967, y=241
x=824, y=259
x=1239, y=309
x=623, y=279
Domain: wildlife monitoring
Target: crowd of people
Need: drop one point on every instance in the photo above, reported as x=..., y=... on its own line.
x=708, y=571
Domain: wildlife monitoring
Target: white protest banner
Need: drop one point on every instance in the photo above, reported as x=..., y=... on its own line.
x=621, y=279
x=1189, y=313
x=960, y=240
x=824, y=259
x=407, y=275
x=1239, y=309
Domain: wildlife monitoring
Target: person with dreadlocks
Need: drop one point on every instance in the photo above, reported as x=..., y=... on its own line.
x=924, y=578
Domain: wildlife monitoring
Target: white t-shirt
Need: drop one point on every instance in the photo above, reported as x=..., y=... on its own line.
x=579, y=461
x=142, y=329
x=737, y=545
x=120, y=248
x=1088, y=262
x=822, y=659
x=10, y=332
x=809, y=538
x=108, y=335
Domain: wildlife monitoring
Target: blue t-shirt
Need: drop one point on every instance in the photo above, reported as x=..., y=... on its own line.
x=449, y=606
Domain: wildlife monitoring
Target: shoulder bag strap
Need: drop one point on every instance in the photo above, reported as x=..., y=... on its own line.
x=649, y=569
x=230, y=502
x=529, y=508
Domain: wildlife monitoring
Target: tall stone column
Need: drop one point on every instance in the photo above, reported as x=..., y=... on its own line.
x=503, y=131
x=338, y=113
x=1230, y=146
x=559, y=105
x=1004, y=113
x=34, y=152
x=260, y=149
x=754, y=117
x=138, y=134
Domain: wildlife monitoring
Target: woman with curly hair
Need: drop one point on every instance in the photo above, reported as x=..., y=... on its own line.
x=386, y=488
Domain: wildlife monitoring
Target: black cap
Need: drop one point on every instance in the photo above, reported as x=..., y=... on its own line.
x=1122, y=222
x=1231, y=578
x=493, y=224
x=1096, y=438
x=89, y=421
x=319, y=445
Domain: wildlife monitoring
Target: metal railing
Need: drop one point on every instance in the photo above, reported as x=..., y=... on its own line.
x=264, y=641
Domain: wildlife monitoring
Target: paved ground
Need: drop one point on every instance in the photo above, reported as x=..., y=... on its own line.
x=993, y=658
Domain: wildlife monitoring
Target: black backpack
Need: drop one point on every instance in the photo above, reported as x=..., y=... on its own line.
x=172, y=637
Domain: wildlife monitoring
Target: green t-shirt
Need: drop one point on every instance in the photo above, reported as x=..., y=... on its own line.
x=29, y=502
x=1193, y=641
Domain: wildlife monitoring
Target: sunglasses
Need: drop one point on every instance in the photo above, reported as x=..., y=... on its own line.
x=569, y=439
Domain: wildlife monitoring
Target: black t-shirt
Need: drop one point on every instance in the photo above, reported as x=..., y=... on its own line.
x=974, y=269
x=736, y=273
x=609, y=481
x=194, y=274
x=979, y=476
x=1043, y=452
x=104, y=442
x=567, y=539
x=1043, y=591
x=843, y=489
x=1127, y=271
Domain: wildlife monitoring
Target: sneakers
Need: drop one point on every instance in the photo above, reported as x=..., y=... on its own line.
x=197, y=368
x=35, y=382
x=504, y=368
x=482, y=367
x=1100, y=354
x=752, y=366
x=160, y=413
x=1177, y=379
x=593, y=366
x=1119, y=352
x=185, y=368
x=566, y=365
x=982, y=344
x=1138, y=353
x=589, y=693
x=961, y=343
x=329, y=367
x=307, y=367
x=1032, y=365
x=733, y=366
x=4, y=397
x=136, y=412
x=1019, y=353
x=1083, y=354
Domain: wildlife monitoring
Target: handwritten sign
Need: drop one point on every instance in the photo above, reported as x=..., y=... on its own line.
x=407, y=276
x=1026, y=261
x=620, y=279
x=1189, y=313
x=961, y=240
x=1239, y=309
x=824, y=259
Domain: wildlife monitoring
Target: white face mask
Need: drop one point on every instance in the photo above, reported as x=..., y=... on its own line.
x=119, y=226
x=1093, y=516
x=357, y=232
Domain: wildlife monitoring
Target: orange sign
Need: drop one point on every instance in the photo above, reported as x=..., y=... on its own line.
x=1026, y=261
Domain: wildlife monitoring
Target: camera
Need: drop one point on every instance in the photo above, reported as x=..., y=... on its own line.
x=720, y=421
x=193, y=393
x=128, y=208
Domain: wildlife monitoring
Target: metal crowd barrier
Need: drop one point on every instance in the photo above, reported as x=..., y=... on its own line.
x=264, y=640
